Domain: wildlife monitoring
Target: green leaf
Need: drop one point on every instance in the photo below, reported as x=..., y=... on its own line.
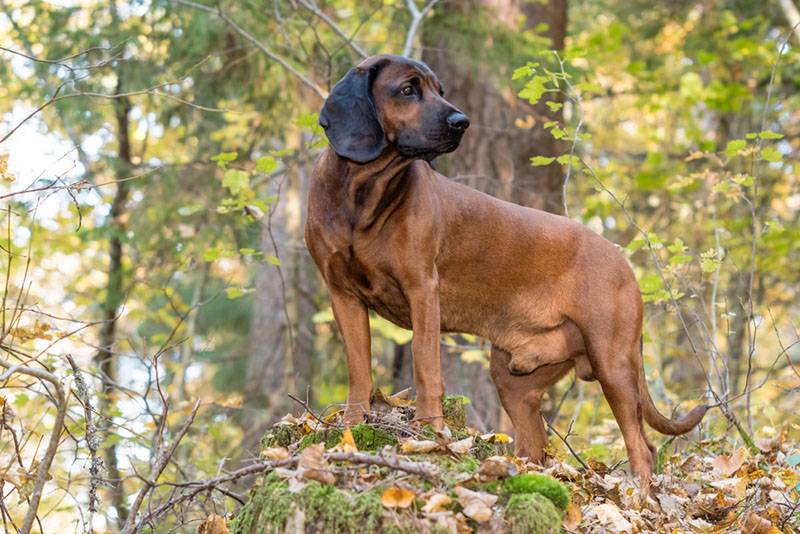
x=733, y=147
x=223, y=158
x=650, y=283
x=554, y=106
x=534, y=89
x=539, y=161
x=564, y=159
x=766, y=134
x=681, y=259
x=248, y=251
x=266, y=164
x=233, y=292
x=272, y=260
x=771, y=154
x=235, y=180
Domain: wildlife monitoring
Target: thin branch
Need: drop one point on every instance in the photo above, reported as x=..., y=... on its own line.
x=43, y=472
x=417, y=15
x=311, y=5
x=319, y=91
x=161, y=463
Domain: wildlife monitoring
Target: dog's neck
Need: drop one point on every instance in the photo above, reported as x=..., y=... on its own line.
x=371, y=189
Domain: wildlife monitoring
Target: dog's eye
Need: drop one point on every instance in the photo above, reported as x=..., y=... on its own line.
x=407, y=90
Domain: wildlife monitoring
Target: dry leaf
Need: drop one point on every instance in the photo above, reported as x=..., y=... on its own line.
x=312, y=464
x=497, y=467
x=610, y=516
x=396, y=497
x=418, y=446
x=462, y=446
x=758, y=525
x=213, y=524
x=572, y=517
x=436, y=503
x=725, y=465
x=477, y=505
x=275, y=453
x=347, y=443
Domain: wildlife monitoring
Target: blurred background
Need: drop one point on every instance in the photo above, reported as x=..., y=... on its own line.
x=154, y=163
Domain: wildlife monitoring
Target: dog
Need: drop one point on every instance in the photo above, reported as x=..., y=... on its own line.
x=390, y=234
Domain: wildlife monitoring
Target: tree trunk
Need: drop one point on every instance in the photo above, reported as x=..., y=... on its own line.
x=105, y=357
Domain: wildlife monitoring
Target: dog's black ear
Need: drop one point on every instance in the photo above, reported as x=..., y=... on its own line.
x=350, y=120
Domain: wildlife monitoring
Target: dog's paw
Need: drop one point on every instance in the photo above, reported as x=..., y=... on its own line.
x=354, y=414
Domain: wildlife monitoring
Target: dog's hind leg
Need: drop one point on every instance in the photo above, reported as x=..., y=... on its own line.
x=521, y=397
x=612, y=340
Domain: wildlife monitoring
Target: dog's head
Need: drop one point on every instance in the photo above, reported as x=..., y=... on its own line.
x=391, y=103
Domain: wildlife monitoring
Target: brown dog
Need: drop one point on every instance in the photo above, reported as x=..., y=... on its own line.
x=391, y=234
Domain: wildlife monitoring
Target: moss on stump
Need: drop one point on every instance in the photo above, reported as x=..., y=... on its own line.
x=532, y=483
x=532, y=513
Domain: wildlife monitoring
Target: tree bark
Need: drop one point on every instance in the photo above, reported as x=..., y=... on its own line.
x=105, y=357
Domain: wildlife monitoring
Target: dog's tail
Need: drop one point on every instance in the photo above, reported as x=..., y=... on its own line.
x=672, y=427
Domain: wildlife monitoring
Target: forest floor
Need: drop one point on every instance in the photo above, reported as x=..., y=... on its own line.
x=384, y=476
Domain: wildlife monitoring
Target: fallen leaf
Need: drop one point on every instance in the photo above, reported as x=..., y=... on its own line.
x=313, y=466
x=756, y=524
x=462, y=446
x=726, y=465
x=436, y=503
x=347, y=443
x=572, y=517
x=213, y=524
x=497, y=437
x=497, y=467
x=275, y=453
x=477, y=505
x=418, y=446
x=610, y=516
x=396, y=497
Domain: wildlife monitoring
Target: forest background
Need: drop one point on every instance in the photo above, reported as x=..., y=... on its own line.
x=154, y=161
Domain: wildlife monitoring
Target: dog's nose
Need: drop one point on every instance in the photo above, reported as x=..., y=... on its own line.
x=458, y=121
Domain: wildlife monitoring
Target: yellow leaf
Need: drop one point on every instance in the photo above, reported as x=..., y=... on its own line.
x=572, y=517
x=497, y=437
x=347, y=443
x=436, y=503
x=396, y=497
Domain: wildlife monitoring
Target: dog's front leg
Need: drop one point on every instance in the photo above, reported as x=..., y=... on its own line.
x=352, y=319
x=425, y=321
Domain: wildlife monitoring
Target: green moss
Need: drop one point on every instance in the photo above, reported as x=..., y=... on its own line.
x=367, y=438
x=267, y=510
x=468, y=465
x=455, y=413
x=531, y=513
x=541, y=484
x=280, y=436
x=331, y=510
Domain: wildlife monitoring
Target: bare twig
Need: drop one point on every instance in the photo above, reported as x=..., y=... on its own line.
x=161, y=463
x=43, y=472
x=311, y=5
x=417, y=15
x=319, y=91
